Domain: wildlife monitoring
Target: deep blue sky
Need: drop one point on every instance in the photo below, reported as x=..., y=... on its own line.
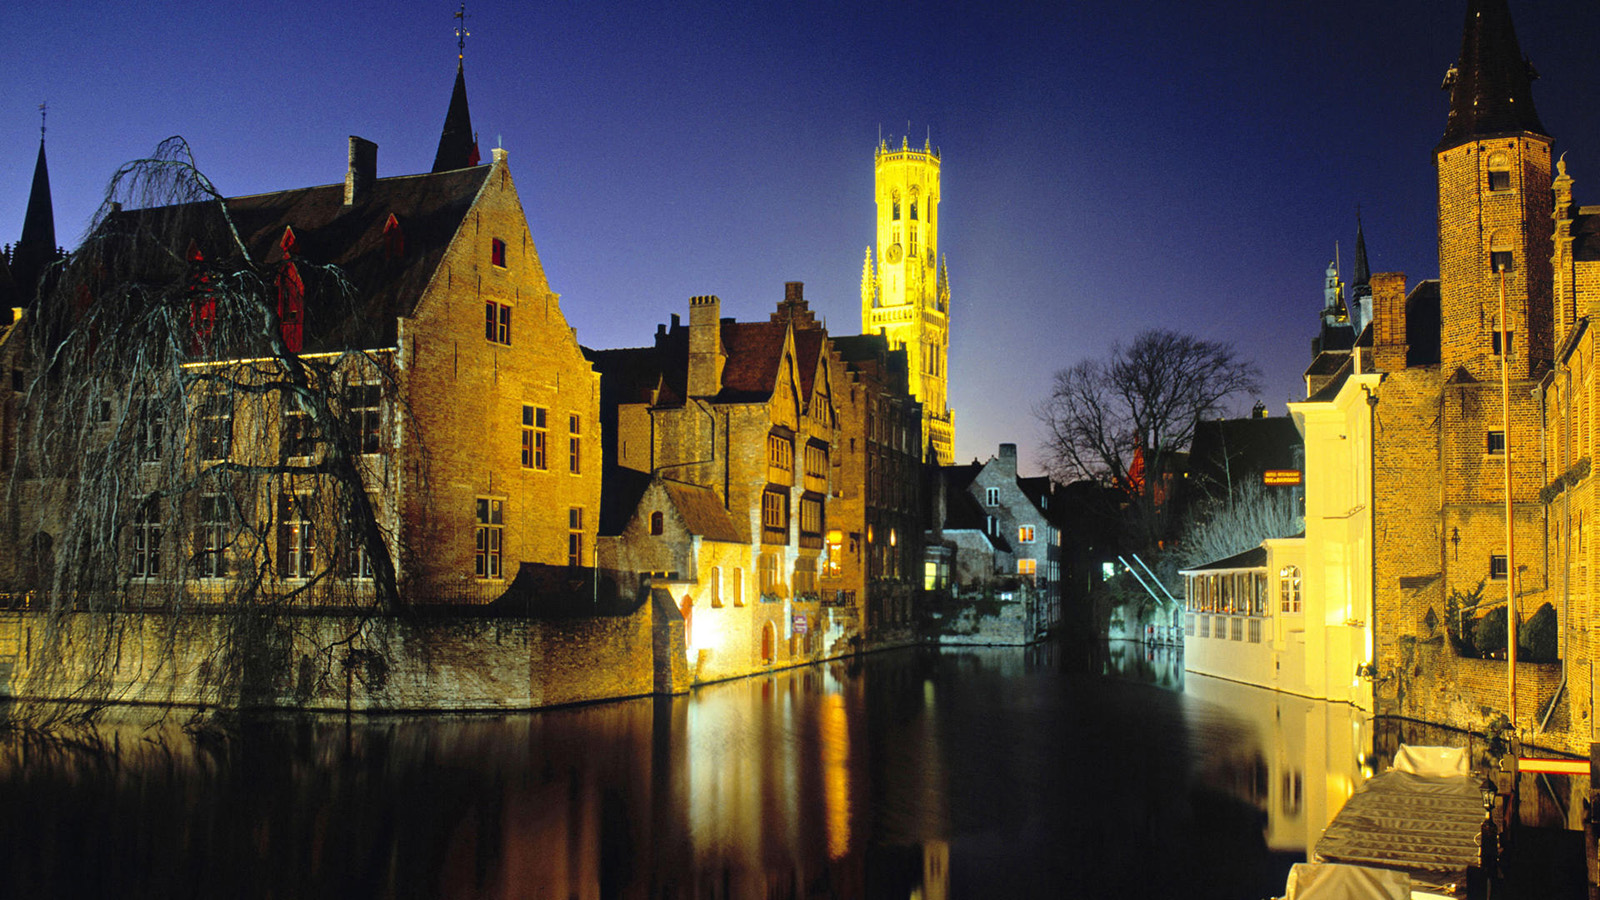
x=1108, y=166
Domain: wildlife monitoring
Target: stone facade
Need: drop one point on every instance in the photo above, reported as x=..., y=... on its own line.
x=905, y=285
x=993, y=554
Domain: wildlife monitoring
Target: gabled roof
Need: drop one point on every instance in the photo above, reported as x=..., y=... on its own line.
x=1233, y=450
x=703, y=513
x=754, y=351
x=389, y=275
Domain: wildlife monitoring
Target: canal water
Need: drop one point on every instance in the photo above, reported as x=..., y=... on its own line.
x=962, y=773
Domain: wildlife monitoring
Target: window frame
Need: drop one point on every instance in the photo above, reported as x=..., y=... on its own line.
x=497, y=322
x=489, y=534
x=535, y=437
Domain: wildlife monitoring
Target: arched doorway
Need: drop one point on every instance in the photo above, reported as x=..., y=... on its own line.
x=769, y=642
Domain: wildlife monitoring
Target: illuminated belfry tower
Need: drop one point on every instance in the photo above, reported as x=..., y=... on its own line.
x=905, y=284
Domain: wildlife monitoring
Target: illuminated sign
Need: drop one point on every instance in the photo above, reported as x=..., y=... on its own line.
x=1280, y=476
x=799, y=624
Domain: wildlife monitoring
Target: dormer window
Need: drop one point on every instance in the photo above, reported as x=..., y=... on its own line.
x=497, y=253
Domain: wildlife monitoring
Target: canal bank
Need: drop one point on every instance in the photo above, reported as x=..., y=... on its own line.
x=972, y=772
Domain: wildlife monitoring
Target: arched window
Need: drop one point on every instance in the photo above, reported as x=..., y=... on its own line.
x=1499, y=171
x=1501, y=258
x=657, y=522
x=769, y=641
x=894, y=207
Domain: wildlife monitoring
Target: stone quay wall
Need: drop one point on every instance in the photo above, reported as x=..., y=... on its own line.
x=336, y=662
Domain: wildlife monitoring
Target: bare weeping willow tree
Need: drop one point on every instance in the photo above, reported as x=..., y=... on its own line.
x=185, y=463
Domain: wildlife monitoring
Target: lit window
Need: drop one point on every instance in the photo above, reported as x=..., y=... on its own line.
x=297, y=546
x=1497, y=567
x=144, y=541
x=533, y=437
x=835, y=552
x=771, y=585
x=1027, y=567
x=816, y=461
x=362, y=415
x=574, y=445
x=490, y=531
x=497, y=252
x=1025, y=534
x=575, y=536
x=497, y=322
x=1496, y=443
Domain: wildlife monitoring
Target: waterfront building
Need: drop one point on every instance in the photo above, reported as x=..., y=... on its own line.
x=469, y=412
x=740, y=416
x=905, y=283
x=875, y=513
x=993, y=553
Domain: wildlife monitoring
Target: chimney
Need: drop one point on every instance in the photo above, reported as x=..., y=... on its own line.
x=793, y=291
x=1389, y=340
x=362, y=172
x=1008, y=459
x=705, y=346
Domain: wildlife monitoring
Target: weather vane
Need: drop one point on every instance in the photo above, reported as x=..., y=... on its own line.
x=461, y=31
x=43, y=111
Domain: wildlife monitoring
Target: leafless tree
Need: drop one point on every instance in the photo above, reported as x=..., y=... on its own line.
x=178, y=456
x=1250, y=514
x=1120, y=420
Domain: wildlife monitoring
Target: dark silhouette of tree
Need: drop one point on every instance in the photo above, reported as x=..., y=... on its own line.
x=179, y=453
x=1121, y=420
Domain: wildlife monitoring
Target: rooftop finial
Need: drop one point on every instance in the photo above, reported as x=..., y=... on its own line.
x=44, y=110
x=461, y=31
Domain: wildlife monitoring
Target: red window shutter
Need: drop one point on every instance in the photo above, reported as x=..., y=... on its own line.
x=202, y=303
x=291, y=296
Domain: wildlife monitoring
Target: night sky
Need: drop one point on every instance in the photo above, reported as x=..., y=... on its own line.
x=1108, y=166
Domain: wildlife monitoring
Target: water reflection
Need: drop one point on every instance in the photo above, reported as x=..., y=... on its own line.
x=908, y=774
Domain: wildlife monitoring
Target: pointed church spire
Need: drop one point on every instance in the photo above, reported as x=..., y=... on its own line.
x=1491, y=83
x=36, y=249
x=458, y=146
x=1363, y=270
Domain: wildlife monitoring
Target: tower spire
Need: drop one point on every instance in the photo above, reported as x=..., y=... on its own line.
x=1491, y=83
x=458, y=144
x=36, y=249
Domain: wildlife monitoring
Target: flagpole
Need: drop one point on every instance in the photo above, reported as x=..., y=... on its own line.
x=1511, y=546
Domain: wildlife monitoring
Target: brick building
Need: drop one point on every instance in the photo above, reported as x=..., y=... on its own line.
x=739, y=416
x=1426, y=378
x=993, y=553
x=875, y=520
x=470, y=409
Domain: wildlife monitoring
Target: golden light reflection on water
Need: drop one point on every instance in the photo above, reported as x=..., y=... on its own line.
x=836, y=773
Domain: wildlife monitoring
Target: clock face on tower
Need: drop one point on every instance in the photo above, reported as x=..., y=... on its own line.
x=892, y=254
